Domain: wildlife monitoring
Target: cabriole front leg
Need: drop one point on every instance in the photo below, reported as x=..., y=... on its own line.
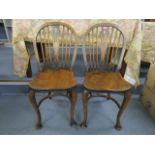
x=73, y=98
x=35, y=107
x=85, y=108
x=126, y=99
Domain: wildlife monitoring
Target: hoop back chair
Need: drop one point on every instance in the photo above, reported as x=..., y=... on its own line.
x=55, y=49
x=103, y=52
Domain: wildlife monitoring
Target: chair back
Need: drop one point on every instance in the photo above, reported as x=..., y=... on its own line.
x=55, y=46
x=103, y=47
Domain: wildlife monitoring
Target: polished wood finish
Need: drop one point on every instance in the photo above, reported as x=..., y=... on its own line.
x=55, y=50
x=103, y=52
x=126, y=99
x=35, y=107
x=85, y=96
x=73, y=97
x=54, y=80
x=105, y=81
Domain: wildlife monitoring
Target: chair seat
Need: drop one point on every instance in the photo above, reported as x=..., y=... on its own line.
x=105, y=81
x=53, y=80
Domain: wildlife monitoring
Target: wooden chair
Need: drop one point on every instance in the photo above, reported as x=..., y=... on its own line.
x=103, y=51
x=55, y=49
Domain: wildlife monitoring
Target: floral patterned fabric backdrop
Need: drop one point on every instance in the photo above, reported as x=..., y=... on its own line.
x=133, y=30
x=148, y=42
x=148, y=93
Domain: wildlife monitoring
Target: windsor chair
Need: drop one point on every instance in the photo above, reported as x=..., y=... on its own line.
x=104, y=47
x=55, y=49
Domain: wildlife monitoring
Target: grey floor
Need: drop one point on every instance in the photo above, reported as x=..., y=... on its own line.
x=17, y=116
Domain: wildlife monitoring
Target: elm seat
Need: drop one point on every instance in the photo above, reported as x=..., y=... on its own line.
x=55, y=79
x=105, y=81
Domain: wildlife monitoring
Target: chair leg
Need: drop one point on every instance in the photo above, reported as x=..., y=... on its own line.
x=49, y=93
x=35, y=107
x=126, y=99
x=85, y=108
x=73, y=98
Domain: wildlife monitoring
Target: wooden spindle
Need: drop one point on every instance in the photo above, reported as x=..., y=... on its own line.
x=49, y=47
x=113, y=44
x=63, y=46
x=45, y=45
x=96, y=47
x=103, y=46
x=67, y=38
x=117, y=46
x=93, y=42
x=70, y=41
x=42, y=48
x=89, y=50
x=111, y=32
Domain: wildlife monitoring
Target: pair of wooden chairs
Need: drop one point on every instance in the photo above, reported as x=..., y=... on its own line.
x=103, y=48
